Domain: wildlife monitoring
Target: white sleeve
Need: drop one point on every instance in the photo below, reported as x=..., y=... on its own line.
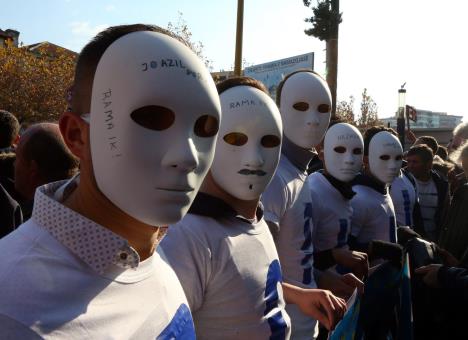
x=190, y=258
x=358, y=218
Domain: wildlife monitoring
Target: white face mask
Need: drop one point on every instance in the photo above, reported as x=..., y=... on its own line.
x=343, y=149
x=305, y=108
x=249, y=142
x=154, y=116
x=385, y=156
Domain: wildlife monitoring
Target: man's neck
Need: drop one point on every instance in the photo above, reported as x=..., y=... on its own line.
x=246, y=209
x=298, y=156
x=89, y=202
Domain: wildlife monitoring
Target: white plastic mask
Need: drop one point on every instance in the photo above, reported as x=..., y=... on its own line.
x=385, y=156
x=343, y=149
x=249, y=142
x=305, y=107
x=154, y=118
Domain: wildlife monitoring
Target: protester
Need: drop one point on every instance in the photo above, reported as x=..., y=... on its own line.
x=9, y=136
x=222, y=251
x=405, y=200
x=450, y=285
x=305, y=105
x=41, y=157
x=430, y=141
x=454, y=235
x=341, y=153
x=9, y=131
x=373, y=212
x=432, y=189
x=460, y=135
x=84, y=265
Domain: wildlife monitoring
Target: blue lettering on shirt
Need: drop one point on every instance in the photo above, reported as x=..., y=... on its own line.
x=407, y=206
x=277, y=323
x=307, y=274
x=180, y=327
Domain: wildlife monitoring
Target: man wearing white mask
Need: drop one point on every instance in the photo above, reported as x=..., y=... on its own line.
x=373, y=211
x=305, y=104
x=331, y=192
x=222, y=251
x=85, y=265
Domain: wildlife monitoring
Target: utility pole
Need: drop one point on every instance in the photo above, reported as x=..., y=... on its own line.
x=332, y=55
x=239, y=31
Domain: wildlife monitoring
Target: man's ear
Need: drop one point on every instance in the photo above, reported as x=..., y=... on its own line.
x=16, y=140
x=75, y=132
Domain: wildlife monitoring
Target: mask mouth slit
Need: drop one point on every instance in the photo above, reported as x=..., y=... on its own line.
x=250, y=186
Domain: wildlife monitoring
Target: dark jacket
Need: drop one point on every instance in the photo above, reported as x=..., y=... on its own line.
x=454, y=234
x=443, y=200
x=10, y=213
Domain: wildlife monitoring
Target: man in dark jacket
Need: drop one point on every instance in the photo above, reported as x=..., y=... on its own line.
x=10, y=213
x=432, y=190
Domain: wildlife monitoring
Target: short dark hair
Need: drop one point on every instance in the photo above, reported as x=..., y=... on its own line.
x=423, y=151
x=52, y=156
x=371, y=132
x=9, y=128
x=240, y=81
x=89, y=58
x=279, y=89
x=429, y=141
x=442, y=152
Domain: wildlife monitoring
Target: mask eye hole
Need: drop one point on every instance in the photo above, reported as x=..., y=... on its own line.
x=270, y=141
x=236, y=138
x=153, y=117
x=357, y=151
x=399, y=157
x=301, y=106
x=324, y=108
x=385, y=157
x=206, y=126
x=340, y=149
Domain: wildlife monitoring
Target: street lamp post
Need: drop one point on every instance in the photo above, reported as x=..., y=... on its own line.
x=401, y=114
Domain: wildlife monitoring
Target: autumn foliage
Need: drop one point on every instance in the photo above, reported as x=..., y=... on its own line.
x=34, y=84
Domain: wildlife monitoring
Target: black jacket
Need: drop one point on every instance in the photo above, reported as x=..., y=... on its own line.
x=10, y=213
x=443, y=199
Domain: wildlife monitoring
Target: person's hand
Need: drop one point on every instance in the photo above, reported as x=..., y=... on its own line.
x=352, y=281
x=448, y=259
x=355, y=261
x=341, y=285
x=323, y=306
x=430, y=273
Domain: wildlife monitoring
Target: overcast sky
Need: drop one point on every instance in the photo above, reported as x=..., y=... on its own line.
x=382, y=43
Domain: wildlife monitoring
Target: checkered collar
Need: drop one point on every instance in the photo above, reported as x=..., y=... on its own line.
x=94, y=244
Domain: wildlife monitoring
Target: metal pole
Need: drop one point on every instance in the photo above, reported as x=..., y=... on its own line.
x=240, y=24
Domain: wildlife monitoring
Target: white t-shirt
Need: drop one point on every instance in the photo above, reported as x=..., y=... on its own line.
x=373, y=215
x=428, y=202
x=230, y=272
x=288, y=206
x=68, y=277
x=404, y=197
x=331, y=214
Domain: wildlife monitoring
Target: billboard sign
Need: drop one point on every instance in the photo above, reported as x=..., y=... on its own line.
x=273, y=72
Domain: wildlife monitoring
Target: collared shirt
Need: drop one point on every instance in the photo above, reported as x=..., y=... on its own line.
x=96, y=245
x=67, y=277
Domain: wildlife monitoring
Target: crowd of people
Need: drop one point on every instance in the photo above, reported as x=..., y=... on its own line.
x=277, y=212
